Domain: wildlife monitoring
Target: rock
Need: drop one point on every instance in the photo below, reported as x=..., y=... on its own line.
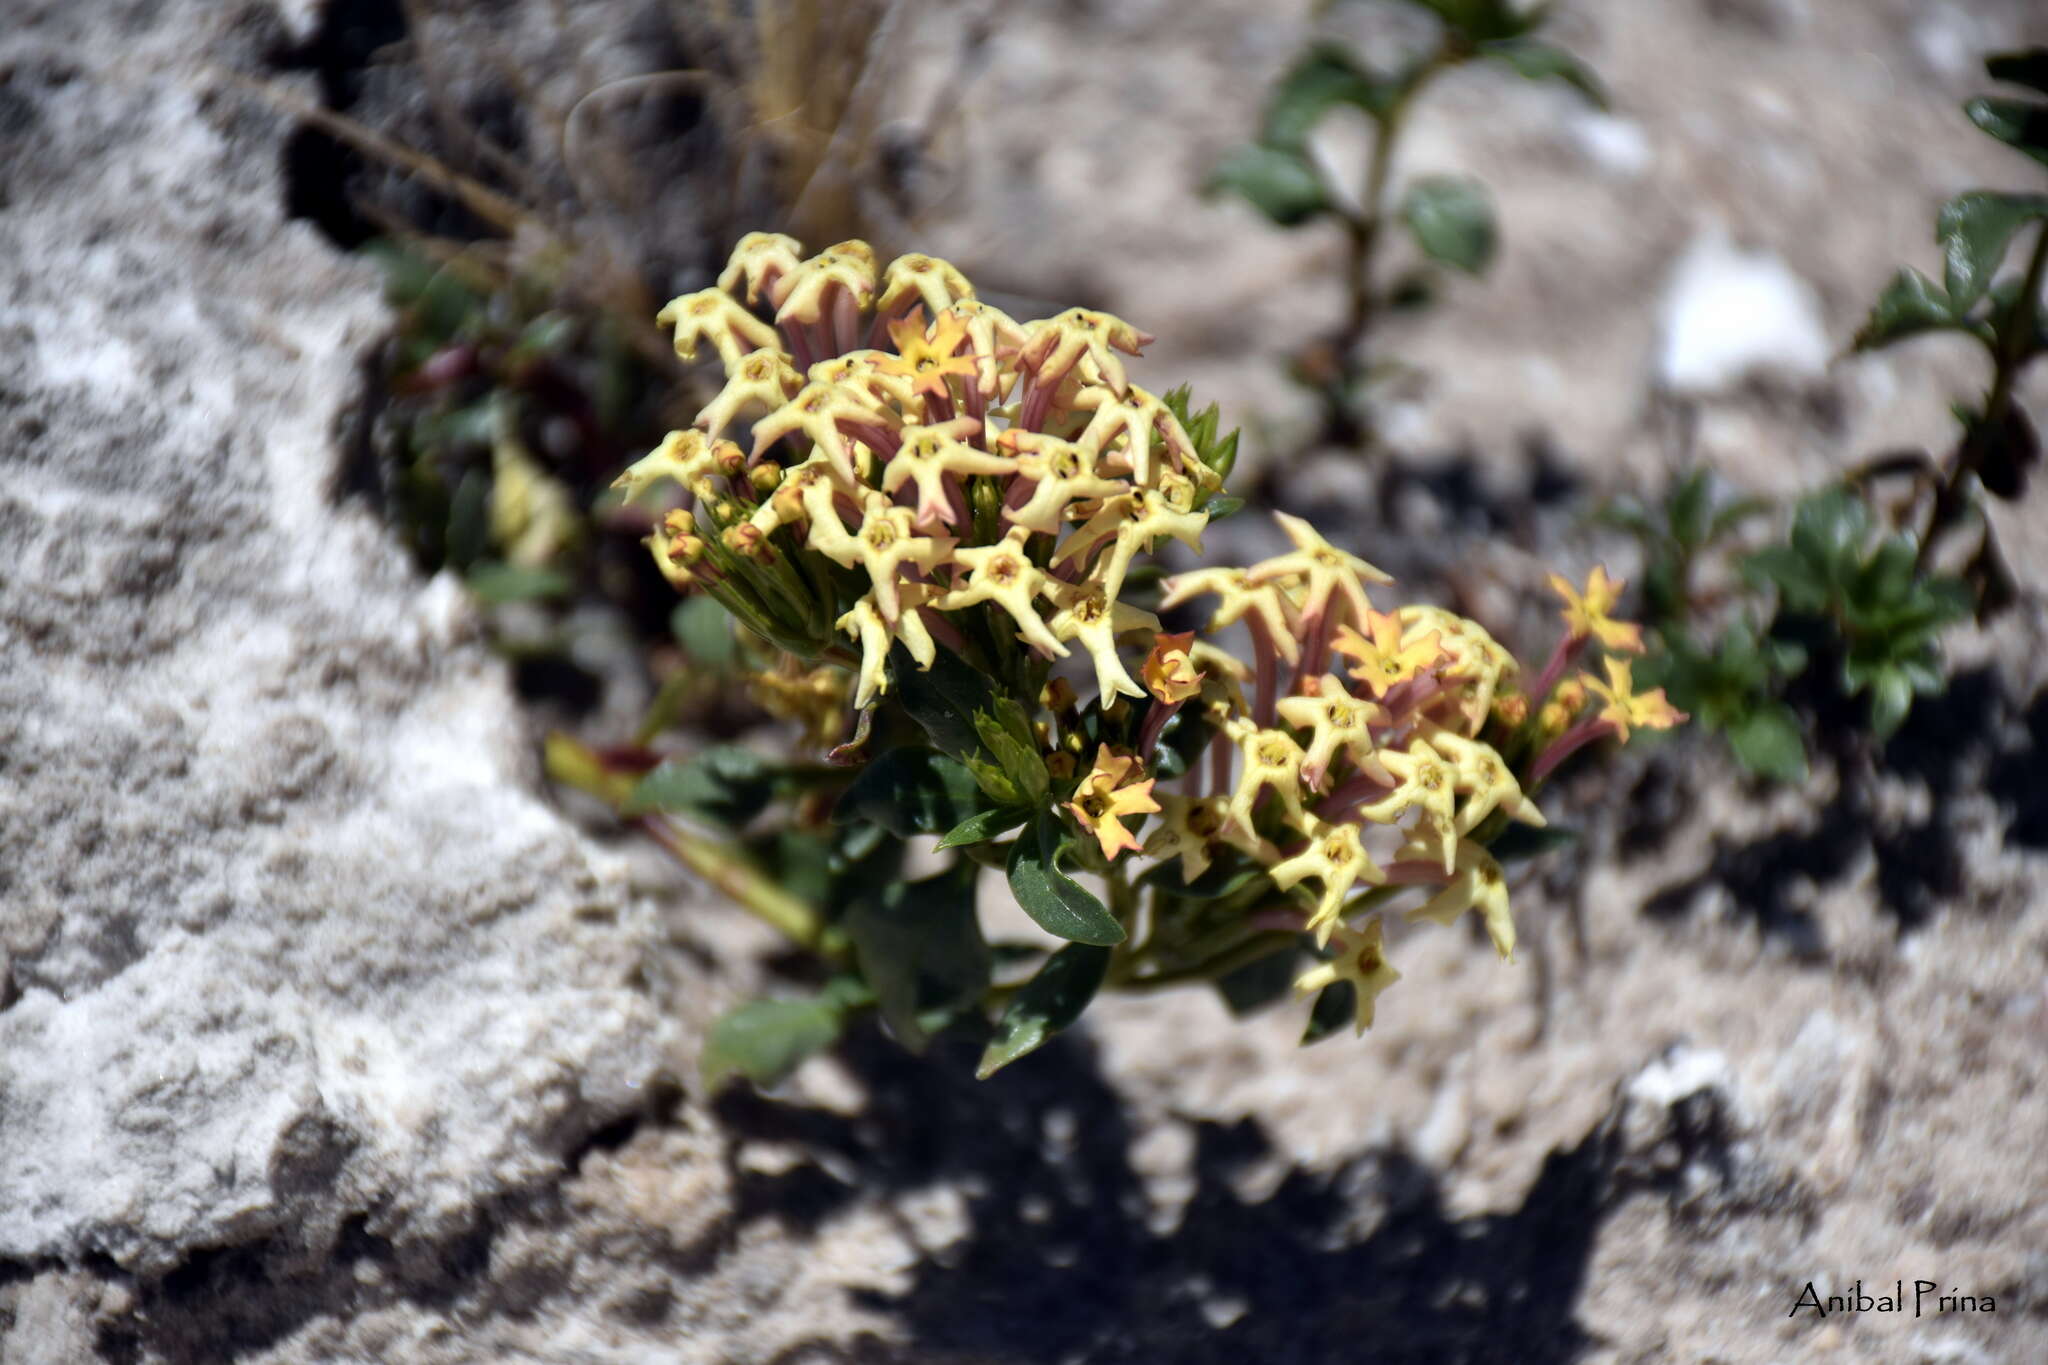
x=1731, y=315
x=291, y=936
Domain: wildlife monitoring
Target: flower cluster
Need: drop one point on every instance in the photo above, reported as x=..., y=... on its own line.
x=900, y=479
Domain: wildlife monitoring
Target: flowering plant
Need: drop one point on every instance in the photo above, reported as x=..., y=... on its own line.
x=943, y=524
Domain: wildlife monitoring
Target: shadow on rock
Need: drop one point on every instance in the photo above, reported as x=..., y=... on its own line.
x=1064, y=1258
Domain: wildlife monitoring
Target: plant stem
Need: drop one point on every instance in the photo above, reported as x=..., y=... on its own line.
x=737, y=877
x=2007, y=356
x=1246, y=953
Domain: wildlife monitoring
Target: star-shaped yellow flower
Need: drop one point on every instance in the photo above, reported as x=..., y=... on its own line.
x=1058, y=473
x=1338, y=724
x=1238, y=597
x=1321, y=569
x=1336, y=858
x=1135, y=416
x=1424, y=780
x=822, y=412
x=763, y=381
x=1089, y=615
x=848, y=266
x=1190, y=826
x=1360, y=958
x=935, y=284
x=1622, y=708
x=1586, y=615
x=1003, y=574
x=936, y=460
x=684, y=456
x=1482, y=778
x=1271, y=760
x=1129, y=523
x=1477, y=883
x=927, y=359
x=761, y=259
x=1106, y=795
x=716, y=316
x=992, y=336
x=1057, y=343
x=866, y=623
x=1382, y=660
x=1170, y=674
x=886, y=542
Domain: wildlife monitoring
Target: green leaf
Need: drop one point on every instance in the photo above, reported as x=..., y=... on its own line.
x=1452, y=220
x=987, y=825
x=1221, y=506
x=1540, y=61
x=1910, y=305
x=2028, y=67
x=1891, y=697
x=727, y=785
x=469, y=519
x=919, y=946
x=1798, y=582
x=1767, y=741
x=1974, y=230
x=1323, y=78
x=1484, y=20
x=704, y=628
x=1008, y=735
x=1691, y=502
x=766, y=1040
x=2021, y=124
x=911, y=791
x=494, y=581
x=943, y=698
x=1261, y=984
x=1059, y=904
x=1519, y=841
x=1216, y=451
x=1335, y=1008
x=1049, y=1002
x=1280, y=183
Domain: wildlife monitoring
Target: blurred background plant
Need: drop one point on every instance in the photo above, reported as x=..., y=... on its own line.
x=1833, y=626
x=1450, y=219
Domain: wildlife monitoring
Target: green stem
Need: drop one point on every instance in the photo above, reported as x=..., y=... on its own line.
x=1246, y=953
x=2009, y=353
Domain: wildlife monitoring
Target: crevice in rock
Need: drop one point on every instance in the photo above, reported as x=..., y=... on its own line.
x=318, y=167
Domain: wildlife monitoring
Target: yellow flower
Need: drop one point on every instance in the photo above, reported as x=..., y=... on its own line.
x=1130, y=522
x=816, y=698
x=1106, y=795
x=1477, y=883
x=1056, y=343
x=1470, y=656
x=1191, y=824
x=849, y=266
x=1089, y=615
x=1059, y=473
x=761, y=259
x=1003, y=574
x=1169, y=673
x=932, y=454
x=1337, y=859
x=936, y=284
x=1425, y=781
x=886, y=542
x=1564, y=704
x=1338, y=723
x=1623, y=708
x=927, y=360
x=1360, y=959
x=762, y=381
x=1135, y=416
x=1271, y=760
x=1238, y=597
x=684, y=456
x=821, y=411
x=1383, y=660
x=1483, y=778
x=1322, y=570
x=714, y=315
x=1586, y=616
x=866, y=623
x=991, y=334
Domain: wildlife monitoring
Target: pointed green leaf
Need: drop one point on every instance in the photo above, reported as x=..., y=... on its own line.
x=911, y=791
x=1974, y=230
x=1540, y=61
x=1280, y=183
x=704, y=629
x=1910, y=305
x=987, y=825
x=493, y=581
x=1335, y=1008
x=2028, y=67
x=919, y=945
x=1049, y=1002
x=1519, y=841
x=766, y=1040
x=1323, y=78
x=2022, y=124
x=1452, y=220
x=1891, y=697
x=1258, y=985
x=1007, y=734
x=1767, y=741
x=725, y=784
x=942, y=698
x=1056, y=901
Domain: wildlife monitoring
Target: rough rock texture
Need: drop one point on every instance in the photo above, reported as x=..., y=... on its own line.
x=322, y=1036
x=292, y=947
